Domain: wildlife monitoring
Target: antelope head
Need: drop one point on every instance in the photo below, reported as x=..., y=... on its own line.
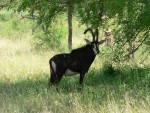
x=95, y=42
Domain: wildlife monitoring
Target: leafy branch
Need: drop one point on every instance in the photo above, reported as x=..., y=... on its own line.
x=142, y=41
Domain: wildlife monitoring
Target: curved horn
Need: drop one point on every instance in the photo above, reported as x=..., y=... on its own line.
x=89, y=29
x=96, y=34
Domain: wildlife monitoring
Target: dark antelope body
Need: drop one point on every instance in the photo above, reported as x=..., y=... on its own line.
x=78, y=61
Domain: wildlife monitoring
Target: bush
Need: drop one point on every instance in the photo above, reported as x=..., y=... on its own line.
x=52, y=39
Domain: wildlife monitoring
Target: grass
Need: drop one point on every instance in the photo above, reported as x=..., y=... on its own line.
x=24, y=79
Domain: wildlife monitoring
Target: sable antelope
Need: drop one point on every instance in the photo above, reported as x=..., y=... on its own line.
x=78, y=61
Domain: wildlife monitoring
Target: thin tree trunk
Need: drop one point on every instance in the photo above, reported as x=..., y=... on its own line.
x=131, y=48
x=70, y=10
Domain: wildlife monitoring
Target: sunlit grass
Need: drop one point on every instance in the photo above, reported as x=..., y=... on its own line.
x=17, y=60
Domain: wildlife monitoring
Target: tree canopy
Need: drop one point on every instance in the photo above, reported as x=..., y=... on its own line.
x=128, y=20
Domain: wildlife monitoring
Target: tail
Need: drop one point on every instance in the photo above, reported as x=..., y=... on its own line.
x=52, y=72
x=51, y=66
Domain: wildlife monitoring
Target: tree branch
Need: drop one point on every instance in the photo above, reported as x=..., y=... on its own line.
x=136, y=34
x=137, y=46
x=145, y=58
x=33, y=17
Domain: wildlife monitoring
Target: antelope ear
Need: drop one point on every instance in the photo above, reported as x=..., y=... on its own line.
x=87, y=41
x=101, y=42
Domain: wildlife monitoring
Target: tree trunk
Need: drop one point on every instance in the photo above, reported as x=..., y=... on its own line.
x=70, y=10
x=131, y=49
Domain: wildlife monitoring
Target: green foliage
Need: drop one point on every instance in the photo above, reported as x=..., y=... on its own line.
x=3, y=17
x=6, y=15
x=50, y=39
x=91, y=12
x=17, y=28
x=47, y=11
x=130, y=19
x=133, y=29
x=13, y=26
x=131, y=22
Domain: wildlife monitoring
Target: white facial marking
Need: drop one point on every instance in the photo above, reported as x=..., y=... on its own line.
x=95, y=50
x=54, y=66
x=97, y=45
x=69, y=72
